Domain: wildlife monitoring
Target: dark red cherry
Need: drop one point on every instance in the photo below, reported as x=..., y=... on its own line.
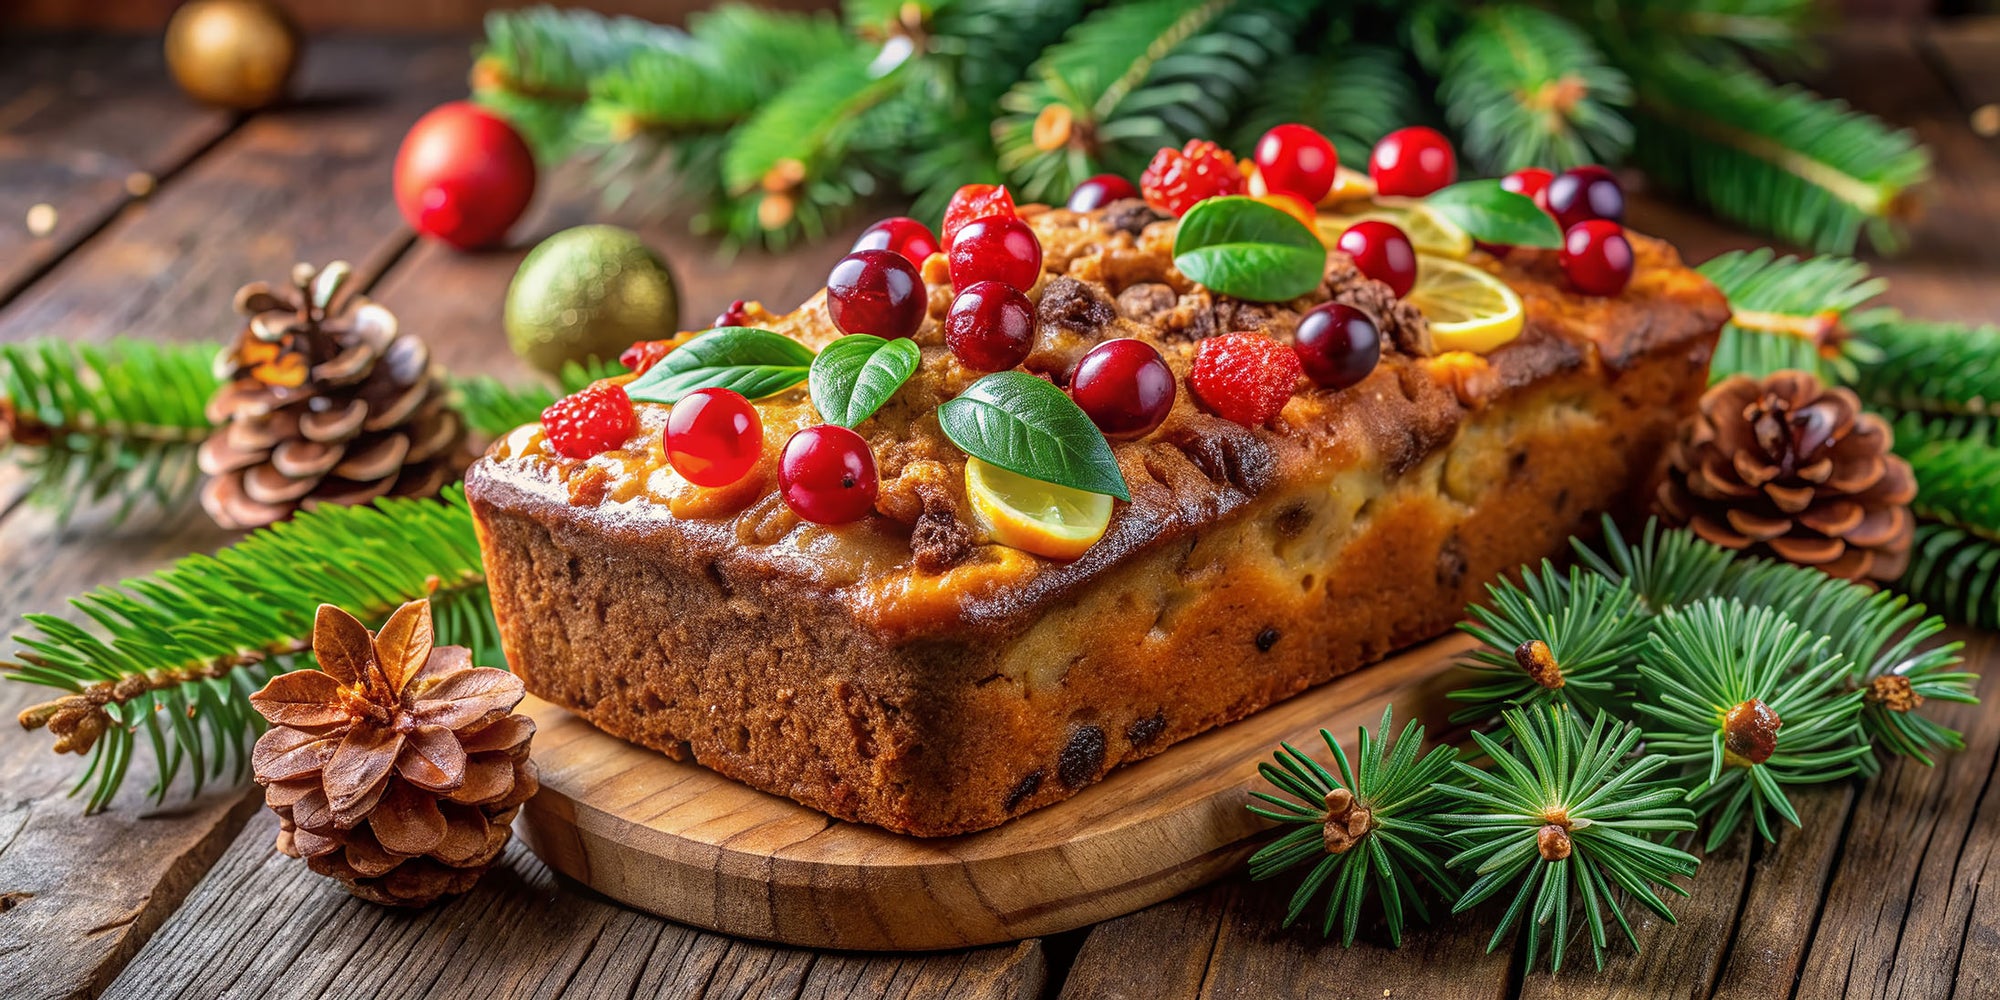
x=714, y=437
x=827, y=475
x=1383, y=252
x=1296, y=159
x=1597, y=257
x=1528, y=181
x=1096, y=192
x=877, y=292
x=990, y=327
x=1125, y=387
x=1583, y=193
x=996, y=248
x=1337, y=344
x=902, y=234
x=1412, y=162
x=736, y=315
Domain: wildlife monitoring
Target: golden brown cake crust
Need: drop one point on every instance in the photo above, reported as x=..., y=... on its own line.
x=907, y=671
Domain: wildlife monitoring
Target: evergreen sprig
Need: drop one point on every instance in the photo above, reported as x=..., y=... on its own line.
x=1713, y=30
x=1665, y=568
x=536, y=67
x=1369, y=831
x=1526, y=87
x=1552, y=640
x=1754, y=701
x=1567, y=817
x=1931, y=367
x=1788, y=313
x=176, y=653
x=1956, y=461
x=1957, y=572
x=1353, y=93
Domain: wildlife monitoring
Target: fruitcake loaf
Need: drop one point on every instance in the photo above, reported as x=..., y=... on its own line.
x=910, y=671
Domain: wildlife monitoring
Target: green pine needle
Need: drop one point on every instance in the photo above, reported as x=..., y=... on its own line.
x=1789, y=315
x=1711, y=29
x=1929, y=367
x=1666, y=569
x=1525, y=87
x=1567, y=815
x=535, y=67
x=175, y=654
x=1712, y=676
x=1957, y=465
x=1957, y=572
x=1588, y=627
x=1381, y=824
x=1352, y=93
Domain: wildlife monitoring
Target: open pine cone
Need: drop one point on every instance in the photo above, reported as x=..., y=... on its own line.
x=1790, y=468
x=325, y=402
x=396, y=767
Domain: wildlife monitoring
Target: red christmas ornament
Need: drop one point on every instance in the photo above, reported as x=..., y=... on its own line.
x=463, y=175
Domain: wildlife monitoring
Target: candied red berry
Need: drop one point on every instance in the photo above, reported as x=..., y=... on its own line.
x=1529, y=182
x=996, y=248
x=991, y=326
x=644, y=354
x=1178, y=178
x=1096, y=192
x=1125, y=387
x=902, y=234
x=973, y=202
x=1412, y=162
x=1244, y=377
x=1580, y=194
x=736, y=315
x=1383, y=252
x=590, y=421
x=1597, y=257
x=827, y=475
x=1296, y=159
x=1337, y=344
x=876, y=292
x=714, y=437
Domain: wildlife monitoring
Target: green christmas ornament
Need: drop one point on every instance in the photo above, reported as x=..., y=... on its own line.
x=589, y=292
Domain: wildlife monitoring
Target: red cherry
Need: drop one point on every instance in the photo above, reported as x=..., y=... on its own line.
x=1412, y=162
x=1597, y=257
x=736, y=315
x=644, y=354
x=463, y=175
x=990, y=327
x=1096, y=192
x=902, y=234
x=1125, y=387
x=1583, y=193
x=1382, y=251
x=996, y=248
x=971, y=202
x=827, y=475
x=714, y=437
x=1338, y=345
x=1528, y=182
x=1297, y=160
x=877, y=292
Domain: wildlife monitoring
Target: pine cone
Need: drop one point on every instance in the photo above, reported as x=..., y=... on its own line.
x=326, y=402
x=395, y=767
x=1790, y=468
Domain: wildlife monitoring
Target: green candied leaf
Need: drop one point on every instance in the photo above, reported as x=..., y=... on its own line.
x=856, y=374
x=1025, y=425
x=1242, y=247
x=1492, y=214
x=756, y=363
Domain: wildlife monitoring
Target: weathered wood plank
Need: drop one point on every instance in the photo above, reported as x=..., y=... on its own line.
x=1781, y=908
x=261, y=924
x=86, y=127
x=1178, y=939
x=305, y=181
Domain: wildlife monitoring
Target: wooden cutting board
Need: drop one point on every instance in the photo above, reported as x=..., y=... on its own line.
x=678, y=840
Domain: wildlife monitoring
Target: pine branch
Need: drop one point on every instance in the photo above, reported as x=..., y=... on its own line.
x=735, y=58
x=1132, y=78
x=1957, y=572
x=1549, y=640
x=176, y=653
x=1777, y=158
x=1368, y=830
x=1938, y=368
x=1710, y=29
x=535, y=67
x=1525, y=87
x=492, y=407
x=1666, y=569
x=1957, y=465
x=1789, y=314
x=1352, y=93
x=1567, y=814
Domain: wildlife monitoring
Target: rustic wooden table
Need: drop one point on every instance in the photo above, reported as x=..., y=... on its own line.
x=162, y=209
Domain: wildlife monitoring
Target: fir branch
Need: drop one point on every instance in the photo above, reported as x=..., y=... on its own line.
x=1525, y=87
x=1666, y=569
x=1956, y=571
x=1928, y=367
x=177, y=652
x=737, y=57
x=492, y=407
x=1550, y=640
x=1751, y=703
x=1712, y=29
x=1352, y=93
x=1777, y=158
x=1369, y=829
x=1788, y=314
x=535, y=66
x=1957, y=465
x=1567, y=814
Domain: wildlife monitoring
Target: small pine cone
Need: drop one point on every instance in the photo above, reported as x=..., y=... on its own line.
x=324, y=401
x=396, y=768
x=1790, y=468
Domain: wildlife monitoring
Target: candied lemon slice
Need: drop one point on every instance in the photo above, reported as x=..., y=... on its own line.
x=1034, y=516
x=1428, y=231
x=1349, y=185
x=1468, y=309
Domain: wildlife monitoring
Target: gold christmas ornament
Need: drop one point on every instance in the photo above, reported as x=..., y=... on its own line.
x=233, y=53
x=589, y=292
